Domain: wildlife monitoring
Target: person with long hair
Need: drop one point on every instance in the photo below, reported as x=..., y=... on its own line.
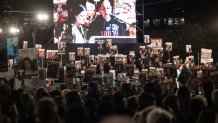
x=77, y=18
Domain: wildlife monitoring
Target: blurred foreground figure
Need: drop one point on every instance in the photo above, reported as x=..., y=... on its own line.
x=117, y=119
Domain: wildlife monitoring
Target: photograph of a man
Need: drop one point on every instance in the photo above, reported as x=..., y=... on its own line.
x=106, y=24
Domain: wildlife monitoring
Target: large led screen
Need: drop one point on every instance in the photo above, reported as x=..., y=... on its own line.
x=88, y=21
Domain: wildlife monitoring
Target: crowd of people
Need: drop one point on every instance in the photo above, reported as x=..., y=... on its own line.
x=154, y=104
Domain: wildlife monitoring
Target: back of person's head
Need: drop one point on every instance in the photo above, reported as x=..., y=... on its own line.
x=183, y=94
x=3, y=81
x=149, y=87
x=215, y=98
x=5, y=91
x=206, y=116
x=73, y=98
x=77, y=114
x=92, y=88
x=40, y=93
x=119, y=102
x=208, y=87
x=142, y=115
x=59, y=100
x=171, y=101
x=9, y=110
x=132, y=105
x=65, y=91
x=28, y=99
x=158, y=115
x=119, y=96
x=117, y=119
x=55, y=93
x=198, y=103
x=126, y=88
x=146, y=99
x=46, y=111
x=91, y=105
x=17, y=96
x=106, y=107
x=216, y=120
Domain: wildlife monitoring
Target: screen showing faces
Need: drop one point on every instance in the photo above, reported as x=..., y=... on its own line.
x=88, y=21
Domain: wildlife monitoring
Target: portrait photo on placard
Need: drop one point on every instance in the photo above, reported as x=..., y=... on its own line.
x=42, y=73
x=80, y=51
x=146, y=38
x=52, y=69
x=113, y=50
x=86, y=51
x=61, y=76
x=188, y=48
x=78, y=65
x=142, y=51
x=41, y=53
x=70, y=70
x=61, y=47
x=28, y=62
x=169, y=46
x=71, y=56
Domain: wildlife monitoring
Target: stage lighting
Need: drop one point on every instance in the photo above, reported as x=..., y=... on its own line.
x=14, y=30
x=42, y=16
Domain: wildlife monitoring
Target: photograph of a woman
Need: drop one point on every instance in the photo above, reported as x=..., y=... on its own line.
x=77, y=18
x=29, y=68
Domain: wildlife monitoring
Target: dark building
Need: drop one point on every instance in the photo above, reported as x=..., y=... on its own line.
x=162, y=14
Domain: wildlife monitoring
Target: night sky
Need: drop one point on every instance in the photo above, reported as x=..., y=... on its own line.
x=33, y=5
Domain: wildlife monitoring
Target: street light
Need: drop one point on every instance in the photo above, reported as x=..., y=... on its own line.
x=42, y=16
x=14, y=30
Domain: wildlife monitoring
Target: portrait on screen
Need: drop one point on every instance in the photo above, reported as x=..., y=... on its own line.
x=78, y=21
